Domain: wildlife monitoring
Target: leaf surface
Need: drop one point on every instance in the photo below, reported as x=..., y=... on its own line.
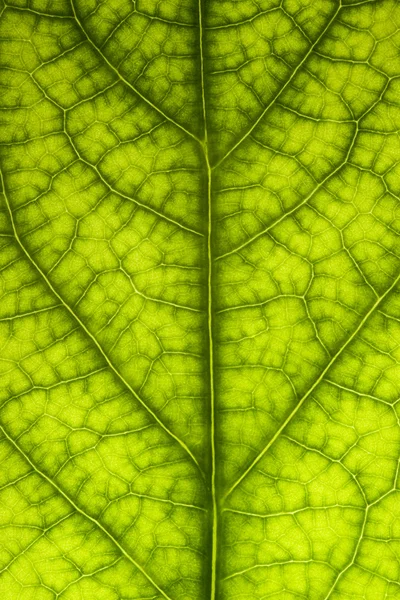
x=200, y=302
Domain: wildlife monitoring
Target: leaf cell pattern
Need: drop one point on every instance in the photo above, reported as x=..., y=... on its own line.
x=200, y=301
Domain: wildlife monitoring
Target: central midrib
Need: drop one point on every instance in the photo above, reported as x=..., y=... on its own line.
x=215, y=503
x=213, y=499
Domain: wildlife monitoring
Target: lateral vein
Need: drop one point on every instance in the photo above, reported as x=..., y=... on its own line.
x=312, y=388
x=122, y=78
x=90, y=335
x=281, y=90
x=83, y=513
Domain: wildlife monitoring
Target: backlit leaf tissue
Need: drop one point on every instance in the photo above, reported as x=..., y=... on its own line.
x=200, y=300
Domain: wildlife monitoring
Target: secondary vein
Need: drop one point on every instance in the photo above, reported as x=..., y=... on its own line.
x=281, y=90
x=127, y=83
x=88, y=333
x=83, y=513
x=312, y=388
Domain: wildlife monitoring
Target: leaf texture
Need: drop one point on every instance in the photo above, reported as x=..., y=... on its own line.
x=200, y=301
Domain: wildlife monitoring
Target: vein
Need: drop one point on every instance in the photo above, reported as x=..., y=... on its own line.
x=122, y=78
x=213, y=486
x=290, y=513
x=31, y=313
x=166, y=501
x=276, y=564
x=84, y=513
x=89, y=334
x=282, y=89
x=355, y=392
x=313, y=387
x=245, y=21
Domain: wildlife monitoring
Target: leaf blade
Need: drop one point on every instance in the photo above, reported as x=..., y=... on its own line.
x=200, y=273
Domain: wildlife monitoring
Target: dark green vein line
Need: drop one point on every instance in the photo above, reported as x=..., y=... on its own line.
x=89, y=334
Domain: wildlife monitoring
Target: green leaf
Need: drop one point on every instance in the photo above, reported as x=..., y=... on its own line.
x=200, y=301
